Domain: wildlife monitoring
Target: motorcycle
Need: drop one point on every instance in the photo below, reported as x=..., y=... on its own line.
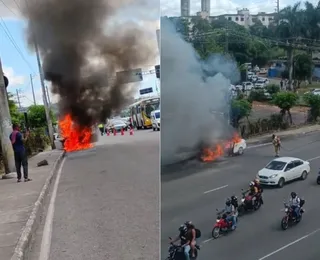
x=222, y=226
x=318, y=178
x=246, y=203
x=289, y=218
x=176, y=252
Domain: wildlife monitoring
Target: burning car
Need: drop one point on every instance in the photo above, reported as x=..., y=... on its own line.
x=235, y=146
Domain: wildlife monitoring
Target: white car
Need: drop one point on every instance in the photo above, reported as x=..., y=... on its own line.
x=259, y=84
x=238, y=148
x=284, y=169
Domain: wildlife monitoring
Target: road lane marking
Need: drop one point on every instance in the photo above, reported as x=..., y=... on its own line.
x=219, y=188
x=47, y=230
x=258, y=145
x=314, y=158
x=206, y=241
x=290, y=244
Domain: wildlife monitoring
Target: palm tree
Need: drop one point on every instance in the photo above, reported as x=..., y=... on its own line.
x=289, y=30
x=311, y=23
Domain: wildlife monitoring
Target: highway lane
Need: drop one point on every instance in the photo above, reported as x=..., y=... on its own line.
x=107, y=204
x=197, y=196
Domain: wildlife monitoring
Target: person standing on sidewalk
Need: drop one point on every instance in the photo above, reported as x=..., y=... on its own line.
x=20, y=155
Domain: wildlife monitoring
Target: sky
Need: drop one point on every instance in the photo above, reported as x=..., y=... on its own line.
x=218, y=7
x=19, y=62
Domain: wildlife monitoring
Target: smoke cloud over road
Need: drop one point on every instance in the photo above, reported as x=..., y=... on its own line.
x=82, y=46
x=193, y=97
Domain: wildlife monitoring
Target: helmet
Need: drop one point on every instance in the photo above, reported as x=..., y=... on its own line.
x=183, y=228
x=188, y=223
x=257, y=181
x=251, y=184
x=293, y=194
x=228, y=202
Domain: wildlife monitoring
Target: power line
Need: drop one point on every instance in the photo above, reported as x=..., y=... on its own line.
x=13, y=42
x=8, y=7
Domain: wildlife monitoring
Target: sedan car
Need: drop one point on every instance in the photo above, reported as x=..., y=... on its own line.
x=117, y=124
x=282, y=170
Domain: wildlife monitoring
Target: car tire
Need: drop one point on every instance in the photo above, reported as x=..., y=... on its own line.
x=304, y=175
x=281, y=182
x=153, y=129
x=240, y=151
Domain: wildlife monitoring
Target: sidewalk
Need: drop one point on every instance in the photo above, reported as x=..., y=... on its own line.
x=295, y=132
x=17, y=201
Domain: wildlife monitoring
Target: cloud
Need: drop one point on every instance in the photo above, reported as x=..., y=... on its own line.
x=15, y=81
x=218, y=7
x=10, y=9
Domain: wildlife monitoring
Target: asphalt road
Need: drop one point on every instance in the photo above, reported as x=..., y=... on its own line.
x=107, y=204
x=259, y=235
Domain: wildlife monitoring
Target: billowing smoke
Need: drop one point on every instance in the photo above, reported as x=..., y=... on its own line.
x=82, y=46
x=194, y=97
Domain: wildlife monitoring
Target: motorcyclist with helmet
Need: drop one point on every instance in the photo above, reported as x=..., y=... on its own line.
x=253, y=192
x=259, y=188
x=294, y=203
x=230, y=211
x=192, y=231
x=185, y=238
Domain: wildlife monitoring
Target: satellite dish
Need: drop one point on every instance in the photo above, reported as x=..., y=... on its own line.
x=6, y=81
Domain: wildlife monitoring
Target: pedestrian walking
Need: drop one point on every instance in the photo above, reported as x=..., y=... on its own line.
x=20, y=155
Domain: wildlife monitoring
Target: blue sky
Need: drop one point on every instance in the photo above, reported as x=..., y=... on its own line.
x=19, y=62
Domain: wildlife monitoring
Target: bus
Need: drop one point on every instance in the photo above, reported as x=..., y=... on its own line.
x=140, y=112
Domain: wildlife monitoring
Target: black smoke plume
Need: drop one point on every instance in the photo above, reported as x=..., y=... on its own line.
x=82, y=47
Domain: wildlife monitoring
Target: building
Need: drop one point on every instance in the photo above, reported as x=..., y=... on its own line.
x=244, y=18
x=185, y=8
x=158, y=39
x=205, y=6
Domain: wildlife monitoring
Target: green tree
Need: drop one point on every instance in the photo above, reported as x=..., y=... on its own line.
x=314, y=102
x=16, y=116
x=285, y=101
x=240, y=108
x=273, y=89
x=302, y=67
x=290, y=29
x=37, y=116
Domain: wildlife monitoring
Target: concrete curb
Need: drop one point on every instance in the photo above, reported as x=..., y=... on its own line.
x=266, y=139
x=30, y=228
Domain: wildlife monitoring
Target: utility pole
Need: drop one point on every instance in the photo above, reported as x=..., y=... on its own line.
x=278, y=6
x=32, y=87
x=5, y=127
x=48, y=95
x=44, y=94
x=18, y=98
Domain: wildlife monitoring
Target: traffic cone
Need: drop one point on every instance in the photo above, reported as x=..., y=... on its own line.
x=114, y=132
x=131, y=131
x=122, y=131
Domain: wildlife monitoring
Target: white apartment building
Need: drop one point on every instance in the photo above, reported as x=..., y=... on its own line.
x=242, y=17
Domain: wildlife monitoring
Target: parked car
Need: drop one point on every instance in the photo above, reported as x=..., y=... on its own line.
x=116, y=124
x=260, y=84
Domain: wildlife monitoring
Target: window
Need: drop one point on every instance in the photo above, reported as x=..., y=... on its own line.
x=230, y=18
x=263, y=19
x=270, y=19
x=276, y=165
x=242, y=19
x=297, y=163
x=237, y=18
x=289, y=167
x=157, y=115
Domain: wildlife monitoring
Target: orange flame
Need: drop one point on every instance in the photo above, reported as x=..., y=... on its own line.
x=211, y=154
x=236, y=138
x=75, y=138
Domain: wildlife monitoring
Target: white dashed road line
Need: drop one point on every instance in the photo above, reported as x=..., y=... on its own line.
x=219, y=188
x=290, y=244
